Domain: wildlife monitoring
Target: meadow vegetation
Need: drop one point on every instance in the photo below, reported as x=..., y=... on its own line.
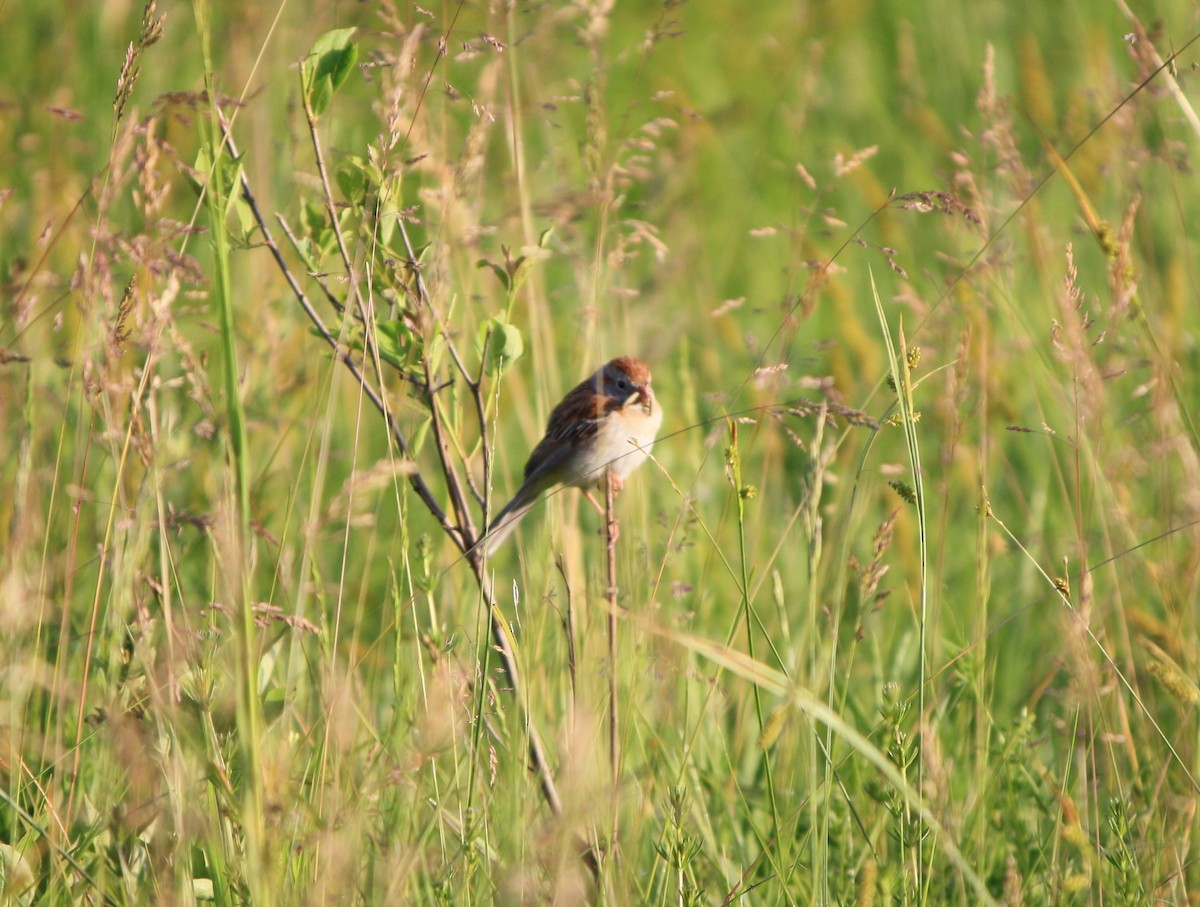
x=904, y=609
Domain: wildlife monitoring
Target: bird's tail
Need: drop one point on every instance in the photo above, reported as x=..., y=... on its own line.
x=507, y=519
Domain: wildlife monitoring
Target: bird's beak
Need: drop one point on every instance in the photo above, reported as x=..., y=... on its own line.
x=641, y=394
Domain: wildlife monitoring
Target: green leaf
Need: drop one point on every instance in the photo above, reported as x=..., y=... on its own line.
x=315, y=223
x=197, y=178
x=229, y=172
x=395, y=342
x=353, y=179
x=496, y=269
x=420, y=436
x=500, y=344
x=313, y=217
x=514, y=270
x=273, y=703
x=388, y=217
x=306, y=250
x=338, y=54
x=327, y=66
x=225, y=179
x=245, y=215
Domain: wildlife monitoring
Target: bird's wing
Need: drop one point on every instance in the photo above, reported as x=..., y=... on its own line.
x=566, y=436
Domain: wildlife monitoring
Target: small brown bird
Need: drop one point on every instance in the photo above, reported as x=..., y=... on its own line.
x=607, y=423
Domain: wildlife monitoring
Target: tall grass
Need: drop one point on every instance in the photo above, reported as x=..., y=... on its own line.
x=906, y=604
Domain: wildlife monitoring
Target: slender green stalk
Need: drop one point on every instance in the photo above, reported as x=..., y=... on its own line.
x=741, y=494
x=249, y=716
x=899, y=366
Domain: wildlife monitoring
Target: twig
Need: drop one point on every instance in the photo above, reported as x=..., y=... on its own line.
x=453, y=483
x=329, y=294
x=485, y=444
x=474, y=382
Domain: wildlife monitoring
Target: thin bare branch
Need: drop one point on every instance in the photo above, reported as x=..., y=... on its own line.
x=317, y=278
x=453, y=482
x=474, y=383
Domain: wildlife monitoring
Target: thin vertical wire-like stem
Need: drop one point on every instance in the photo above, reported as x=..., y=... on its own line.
x=569, y=629
x=611, y=531
x=903, y=384
x=741, y=493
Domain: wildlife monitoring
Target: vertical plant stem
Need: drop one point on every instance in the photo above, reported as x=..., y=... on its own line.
x=741, y=493
x=903, y=383
x=611, y=530
x=569, y=630
x=248, y=712
x=249, y=720
x=819, y=755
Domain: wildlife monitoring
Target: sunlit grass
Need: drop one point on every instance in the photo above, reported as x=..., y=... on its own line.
x=814, y=706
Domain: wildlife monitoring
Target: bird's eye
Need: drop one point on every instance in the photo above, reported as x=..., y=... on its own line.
x=622, y=383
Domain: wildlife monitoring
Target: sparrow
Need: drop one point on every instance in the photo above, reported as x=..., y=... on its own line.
x=605, y=425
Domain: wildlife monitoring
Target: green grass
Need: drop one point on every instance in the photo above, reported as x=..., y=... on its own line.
x=925, y=648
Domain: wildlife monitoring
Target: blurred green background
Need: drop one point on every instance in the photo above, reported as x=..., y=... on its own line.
x=724, y=183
